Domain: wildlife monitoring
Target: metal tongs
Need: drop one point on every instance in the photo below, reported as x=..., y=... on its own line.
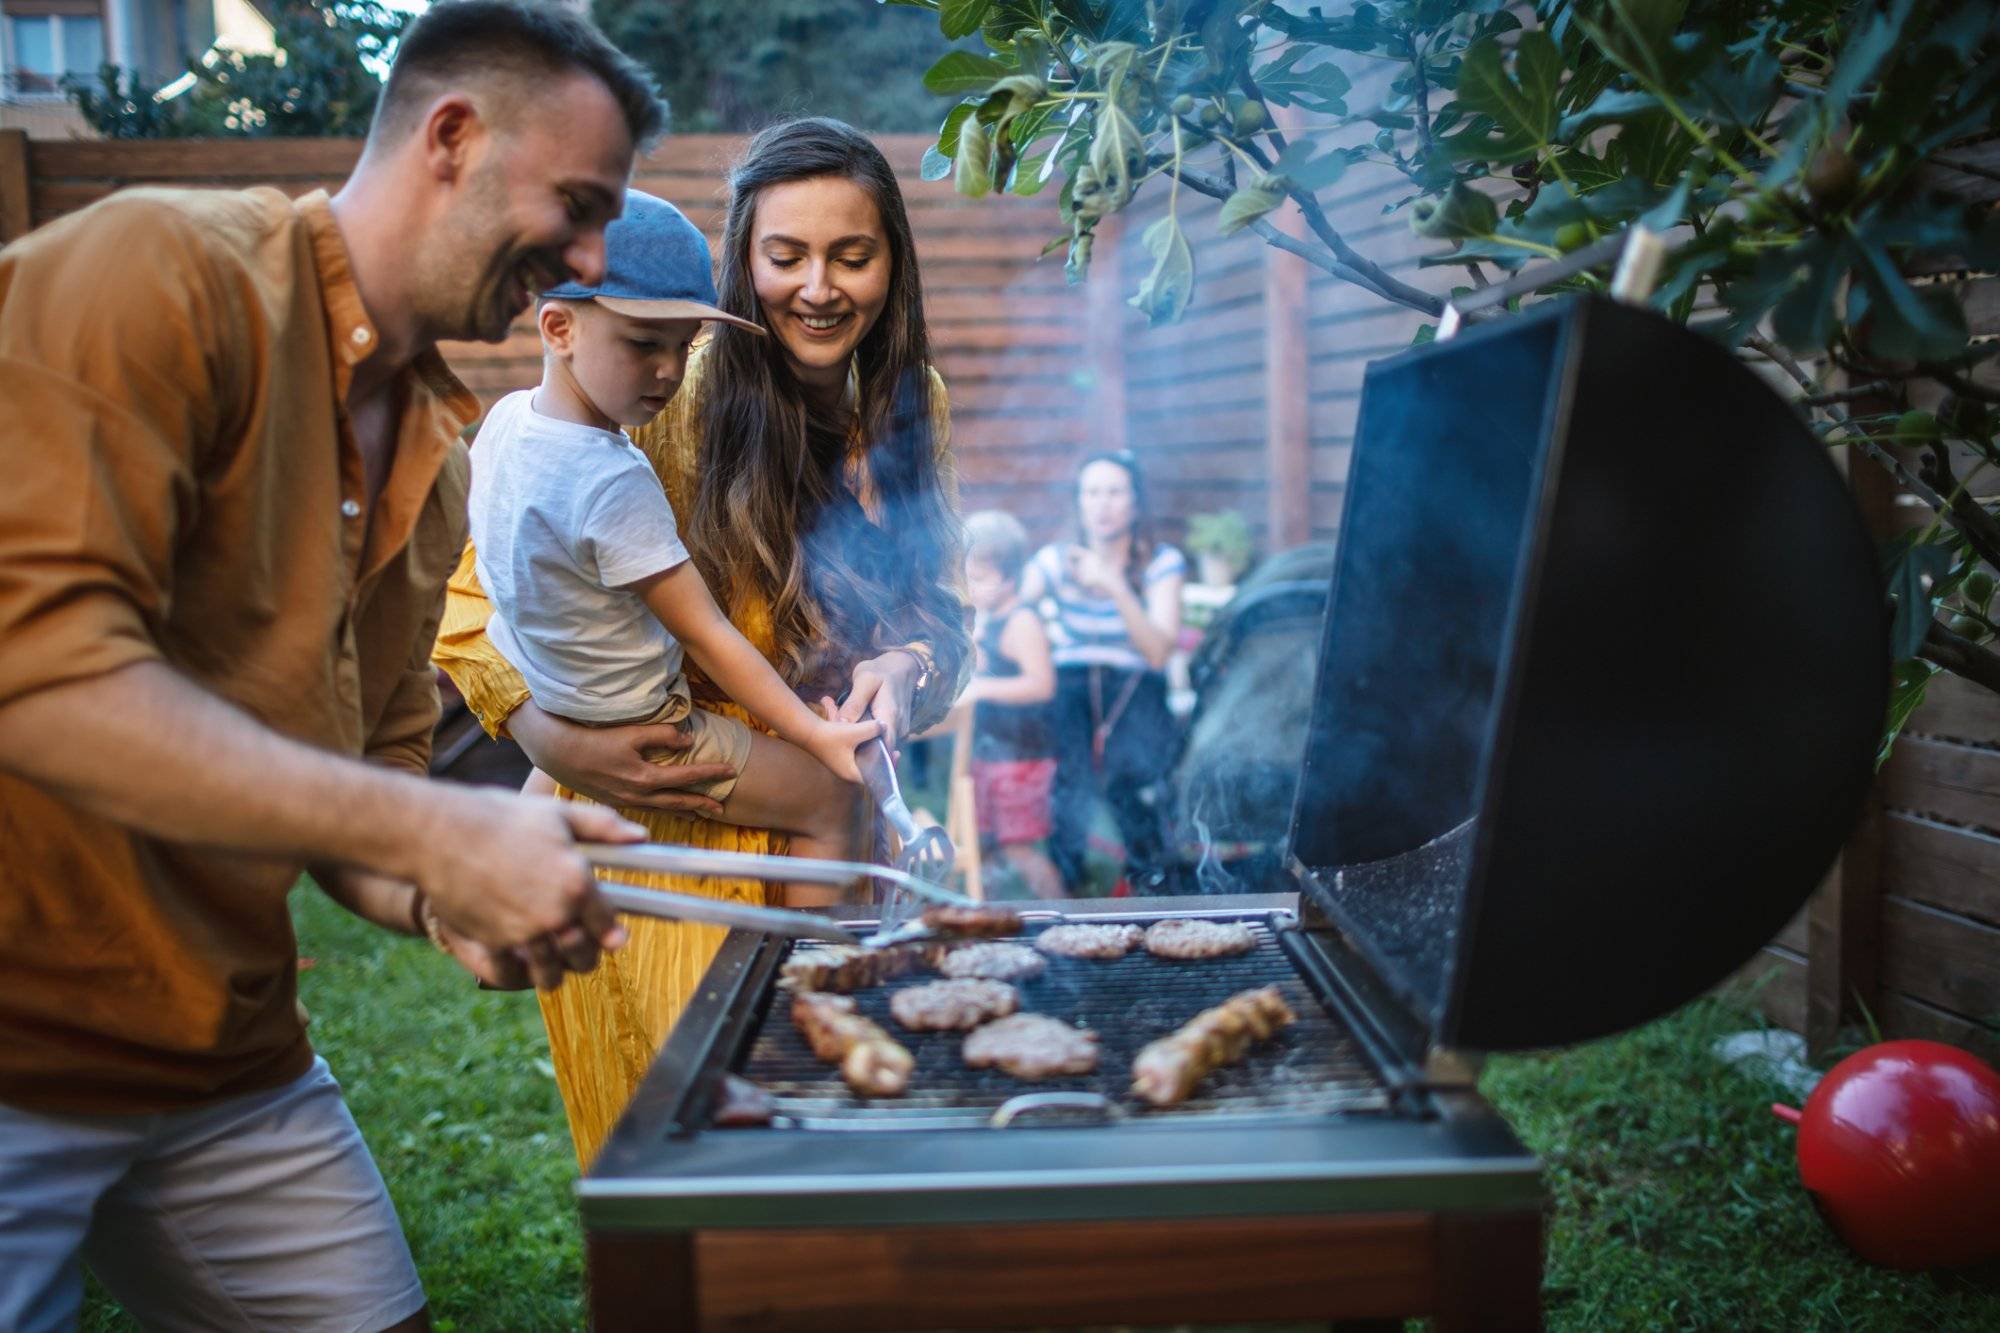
x=927, y=855
x=670, y=859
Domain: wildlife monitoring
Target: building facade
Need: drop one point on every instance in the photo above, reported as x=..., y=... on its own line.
x=43, y=42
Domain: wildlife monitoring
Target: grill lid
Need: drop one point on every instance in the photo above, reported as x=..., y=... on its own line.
x=1601, y=677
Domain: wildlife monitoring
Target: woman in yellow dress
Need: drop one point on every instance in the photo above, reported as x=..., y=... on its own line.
x=812, y=480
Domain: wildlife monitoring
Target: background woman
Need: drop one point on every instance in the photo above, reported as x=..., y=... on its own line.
x=810, y=475
x=1117, y=596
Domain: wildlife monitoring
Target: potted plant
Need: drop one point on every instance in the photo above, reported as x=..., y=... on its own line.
x=1221, y=546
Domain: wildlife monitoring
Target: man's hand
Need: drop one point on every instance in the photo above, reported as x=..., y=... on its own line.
x=503, y=871
x=614, y=765
x=496, y=970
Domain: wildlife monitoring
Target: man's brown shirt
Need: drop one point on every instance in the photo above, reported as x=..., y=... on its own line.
x=178, y=482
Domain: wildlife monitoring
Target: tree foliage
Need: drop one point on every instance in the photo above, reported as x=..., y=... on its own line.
x=317, y=82
x=725, y=65
x=1785, y=145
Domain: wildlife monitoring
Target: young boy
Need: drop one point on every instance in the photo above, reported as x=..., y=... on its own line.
x=595, y=599
x=1013, y=755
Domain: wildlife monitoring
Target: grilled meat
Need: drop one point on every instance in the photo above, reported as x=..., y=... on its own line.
x=1032, y=1046
x=741, y=1103
x=994, y=962
x=1168, y=1070
x=871, y=1062
x=1187, y=939
x=1089, y=941
x=984, y=922
x=846, y=969
x=953, y=1006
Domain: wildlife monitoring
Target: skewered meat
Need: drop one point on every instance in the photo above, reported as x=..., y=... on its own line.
x=947, y=1006
x=1089, y=941
x=994, y=962
x=871, y=1062
x=846, y=969
x=983, y=922
x=741, y=1103
x=1166, y=1071
x=1186, y=938
x=1032, y=1046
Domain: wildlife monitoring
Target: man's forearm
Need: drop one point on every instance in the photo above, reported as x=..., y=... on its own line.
x=378, y=899
x=148, y=748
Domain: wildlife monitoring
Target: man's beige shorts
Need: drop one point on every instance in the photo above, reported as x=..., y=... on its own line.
x=717, y=739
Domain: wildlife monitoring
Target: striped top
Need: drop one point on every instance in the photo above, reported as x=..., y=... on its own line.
x=1085, y=629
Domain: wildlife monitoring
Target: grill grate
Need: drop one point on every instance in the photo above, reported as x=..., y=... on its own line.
x=1314, y=1067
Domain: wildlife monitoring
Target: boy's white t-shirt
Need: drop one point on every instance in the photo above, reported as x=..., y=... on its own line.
x=561, y=516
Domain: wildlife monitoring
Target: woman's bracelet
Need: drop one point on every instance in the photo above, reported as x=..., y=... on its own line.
x=920, y=653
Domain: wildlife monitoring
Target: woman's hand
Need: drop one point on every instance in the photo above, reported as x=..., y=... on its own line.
x=1093, y=573
x=614, y=764
x=883, y=688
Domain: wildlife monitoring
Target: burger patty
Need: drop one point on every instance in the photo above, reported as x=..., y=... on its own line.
x=1082, y=941
x=982, y=922
x=1032, y=1046
x=947, y=1006
x=994, y=962
x=1189, y=939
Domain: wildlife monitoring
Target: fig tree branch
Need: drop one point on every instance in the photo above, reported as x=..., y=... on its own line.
x=1961, y=656
x=1365, y=275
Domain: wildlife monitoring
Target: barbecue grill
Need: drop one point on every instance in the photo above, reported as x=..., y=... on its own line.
x=1596, y=700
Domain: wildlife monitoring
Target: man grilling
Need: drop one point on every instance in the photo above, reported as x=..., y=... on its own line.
x=234, y=489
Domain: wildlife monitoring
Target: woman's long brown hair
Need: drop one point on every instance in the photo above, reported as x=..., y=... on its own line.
x=773, y=510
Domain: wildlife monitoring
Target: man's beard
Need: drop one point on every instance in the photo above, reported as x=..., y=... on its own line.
x=475, y=265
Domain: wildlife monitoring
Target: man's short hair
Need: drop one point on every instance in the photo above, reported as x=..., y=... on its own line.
x=531, y=40
x=997, y=537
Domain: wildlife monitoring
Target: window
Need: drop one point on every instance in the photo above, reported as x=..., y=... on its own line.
x=47, y=40
x=34, y=63
x=82, y=45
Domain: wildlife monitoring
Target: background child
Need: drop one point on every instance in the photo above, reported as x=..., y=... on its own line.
x=594, y=596
x=1013, y=754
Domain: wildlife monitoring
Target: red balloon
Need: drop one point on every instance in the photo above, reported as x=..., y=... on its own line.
x=1900, y=1144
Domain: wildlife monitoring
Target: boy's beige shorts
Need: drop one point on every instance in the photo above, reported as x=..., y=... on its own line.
x=717, y=739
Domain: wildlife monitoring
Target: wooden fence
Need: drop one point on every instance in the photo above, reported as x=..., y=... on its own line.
x=1250, y=404
x=1907, y=930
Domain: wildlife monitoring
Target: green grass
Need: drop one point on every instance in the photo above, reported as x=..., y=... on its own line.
x=1675, y=1198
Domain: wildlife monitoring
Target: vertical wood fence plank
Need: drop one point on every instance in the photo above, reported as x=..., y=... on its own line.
x=1844, y=922
x=1844, y=932
x=16, y=200
x=1287, y=433
x=1105, y=328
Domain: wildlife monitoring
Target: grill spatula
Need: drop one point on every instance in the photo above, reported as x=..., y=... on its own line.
x=927, y=854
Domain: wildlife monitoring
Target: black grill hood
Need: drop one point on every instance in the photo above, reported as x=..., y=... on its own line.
x=1602, y=675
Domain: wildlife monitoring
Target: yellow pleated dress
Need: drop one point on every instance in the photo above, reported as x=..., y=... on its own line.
x=605, y=1026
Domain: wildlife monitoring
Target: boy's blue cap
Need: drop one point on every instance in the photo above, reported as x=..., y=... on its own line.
x=656, y=266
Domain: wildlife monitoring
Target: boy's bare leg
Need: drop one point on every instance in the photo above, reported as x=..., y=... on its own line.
x=538, y=784
x=1040, y=873
x=784, y=789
